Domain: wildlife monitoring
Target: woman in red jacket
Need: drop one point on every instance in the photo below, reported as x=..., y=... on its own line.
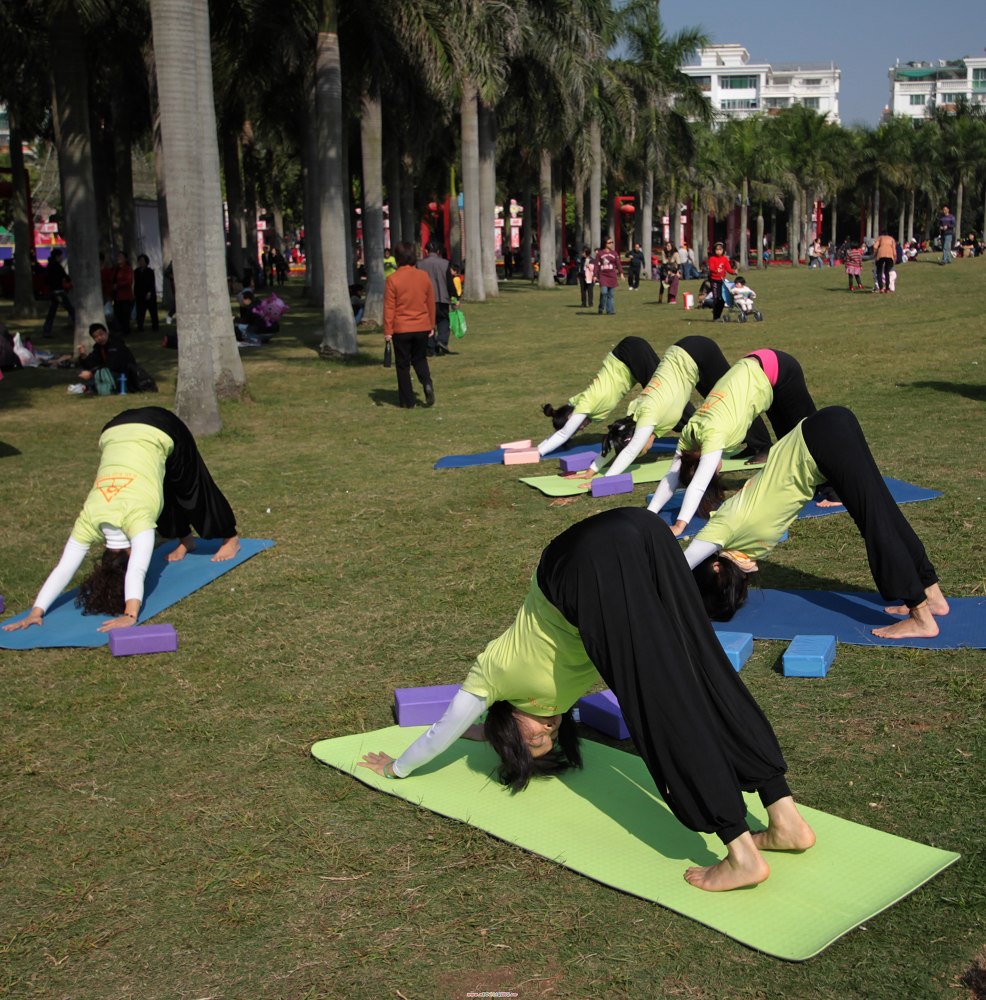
x=408, y=321
x=123, y=293
x=719, y=267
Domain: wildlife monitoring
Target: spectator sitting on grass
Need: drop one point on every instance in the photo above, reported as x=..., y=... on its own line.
x=109, y=351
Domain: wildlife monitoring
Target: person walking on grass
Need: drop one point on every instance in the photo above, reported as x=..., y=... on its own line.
x=608, y=270
x=408, y=319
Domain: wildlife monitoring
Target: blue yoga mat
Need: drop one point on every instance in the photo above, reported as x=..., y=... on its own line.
x=495, y=457
x=165, y=584
x=901, y=491
x=783, y=614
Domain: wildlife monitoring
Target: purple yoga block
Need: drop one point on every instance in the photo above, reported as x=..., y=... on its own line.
x=143, y=639
x=809, y=656
x=3, y=605
x=602, y=712
x=607, y=486
x=422, y=706
x=738, y=647
x=577, y=463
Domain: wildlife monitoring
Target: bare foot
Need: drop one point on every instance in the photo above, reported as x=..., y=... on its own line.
x=786, y=830
x=182, y=549
x=937, y=604
x=227, y=550
x=920, y=624
x=743, y=866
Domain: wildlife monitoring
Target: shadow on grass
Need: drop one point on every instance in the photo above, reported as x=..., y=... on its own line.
x=8, y=450
x=384, y=397
x=974, y=392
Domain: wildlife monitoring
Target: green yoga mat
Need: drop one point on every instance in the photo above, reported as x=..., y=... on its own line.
x=646, y=472
x=608, y=822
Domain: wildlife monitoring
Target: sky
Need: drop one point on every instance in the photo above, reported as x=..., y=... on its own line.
x=864, y=38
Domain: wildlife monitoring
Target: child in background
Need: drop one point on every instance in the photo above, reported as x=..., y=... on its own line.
x=743, y=296
x=456, y=280
x=673, y=277
x=854, y=266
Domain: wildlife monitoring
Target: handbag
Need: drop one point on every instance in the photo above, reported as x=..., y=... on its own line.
x=388, y=354
x=457, y=323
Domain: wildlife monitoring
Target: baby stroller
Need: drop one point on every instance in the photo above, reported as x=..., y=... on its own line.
x=742, y=304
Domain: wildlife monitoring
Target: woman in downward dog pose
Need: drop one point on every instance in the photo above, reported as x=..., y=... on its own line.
x=829, y=445
x=150, y=477
x=612, y=597
x=766, y=381
x=691, y=363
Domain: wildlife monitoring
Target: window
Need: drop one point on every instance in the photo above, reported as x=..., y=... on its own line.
x=812, y=82
x=777, y=102
x=979, y=79
x=811, y=102
x=918, y=98
x=704, y=82
x=739, y=104
x=738, y=82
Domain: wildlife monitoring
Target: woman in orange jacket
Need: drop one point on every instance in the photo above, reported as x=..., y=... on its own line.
x=408, y=321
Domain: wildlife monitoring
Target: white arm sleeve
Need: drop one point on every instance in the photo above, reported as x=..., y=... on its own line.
x=141, y=549
x=707, y=466
x=464, y=710
x=572, y=425
x=60, y=577
x=698, y=552
x=666, y=487
x=634, y=447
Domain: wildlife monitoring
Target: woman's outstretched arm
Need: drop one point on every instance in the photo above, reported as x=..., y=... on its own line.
x=58, y=579
x=459, y=717
x=708, y=465
x=571, y=428
x=666, y=487
x=633, y=448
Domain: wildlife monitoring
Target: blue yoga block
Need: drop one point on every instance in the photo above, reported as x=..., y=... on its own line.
x=738, y=647
x=602, y=712
x=607, y=486
x=422, y=706
x=809, y=656
x=143, y=639
x=578, y=462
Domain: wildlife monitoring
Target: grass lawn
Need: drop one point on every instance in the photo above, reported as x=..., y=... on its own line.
x=165, y=832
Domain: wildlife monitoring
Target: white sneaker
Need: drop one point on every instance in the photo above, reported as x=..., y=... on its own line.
x=76, y=389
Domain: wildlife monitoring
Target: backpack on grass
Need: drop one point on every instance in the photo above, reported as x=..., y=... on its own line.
x=103, y=382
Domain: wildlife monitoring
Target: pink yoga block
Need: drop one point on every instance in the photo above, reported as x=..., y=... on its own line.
x=522, y=456
x=514, y=445
x=602, y=711
x=577, y=463
x=607, y=486
x=143, y=639
x=422, y=706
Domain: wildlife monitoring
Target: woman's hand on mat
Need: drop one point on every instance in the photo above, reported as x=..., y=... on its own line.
x=124, y=621
x=36, y=617
x=376, y=762
x=678, y=527
x=829, y=503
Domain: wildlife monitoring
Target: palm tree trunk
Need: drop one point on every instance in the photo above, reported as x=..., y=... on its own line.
x=312, y=199
x=647, y=220
x=794, y=229
x=394, y=196
x=160, y=182
x=234, y=197
x=338, y=322
x=761, y=260
x=487, y=197
x=910, y=213
x=578, y=196
x=409, y=214
x=70, y=118
x=595, y=185
x=834, y=224
x=546, y=274
x=124, y=177
x=24, y=305
x=527, y=237
x=253, y=246
x=371, y=135
x=561, y=250
x=900, y=225
x=455, y=221
x=959, y=198
x=475, y=285
x=744, y=223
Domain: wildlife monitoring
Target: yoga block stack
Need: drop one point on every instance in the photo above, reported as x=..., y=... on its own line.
x=422, y=706
x=602, y=712
x=809, y=656
x=607, y=486
x=521, y=456
x=143, y=639
x=738, y=647
x=578, y=462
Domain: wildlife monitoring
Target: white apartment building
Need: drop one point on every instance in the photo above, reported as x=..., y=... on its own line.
x=916, y=86
x=738, y=88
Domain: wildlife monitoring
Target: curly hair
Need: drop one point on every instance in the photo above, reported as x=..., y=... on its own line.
x=714, y=495
x=724, y=591
x=618, y=434
x=101, y=592
x=517, y=765
x=559, y=416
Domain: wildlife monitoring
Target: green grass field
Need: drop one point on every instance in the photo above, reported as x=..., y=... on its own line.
x=165, y=832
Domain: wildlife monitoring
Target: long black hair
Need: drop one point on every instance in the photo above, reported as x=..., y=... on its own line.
x=723, y=591
x=101, y=592
x=559, y=416
x=618, y=434
x=517, y=765
x=714, y=494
